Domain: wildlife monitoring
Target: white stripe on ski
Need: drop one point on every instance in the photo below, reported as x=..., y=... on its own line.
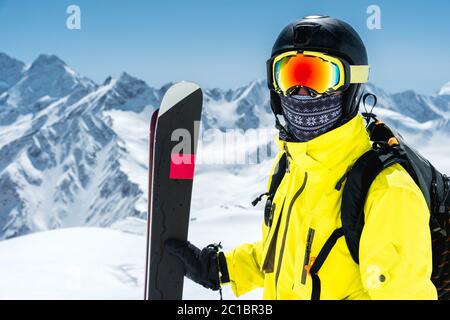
x=175, y=94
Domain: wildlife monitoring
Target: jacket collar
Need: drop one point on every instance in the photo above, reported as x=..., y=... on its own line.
x=333, y=150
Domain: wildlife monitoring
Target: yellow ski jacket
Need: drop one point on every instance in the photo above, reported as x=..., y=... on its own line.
x=395, y=248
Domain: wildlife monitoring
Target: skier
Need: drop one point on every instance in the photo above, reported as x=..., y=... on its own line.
x=315, y=74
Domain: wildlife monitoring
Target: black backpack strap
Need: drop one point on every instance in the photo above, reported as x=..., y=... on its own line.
x=359, y=180
x=278, y=174
x=318, y=262
x=277, y=177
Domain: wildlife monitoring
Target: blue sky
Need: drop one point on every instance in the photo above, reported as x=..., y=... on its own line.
x=222, y=43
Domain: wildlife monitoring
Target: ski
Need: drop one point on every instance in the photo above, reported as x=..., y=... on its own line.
x=174, y=130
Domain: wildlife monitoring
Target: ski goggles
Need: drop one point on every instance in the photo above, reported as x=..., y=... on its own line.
x=317, y=72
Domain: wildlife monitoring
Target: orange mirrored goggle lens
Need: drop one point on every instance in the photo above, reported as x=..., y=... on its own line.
x=306, y=71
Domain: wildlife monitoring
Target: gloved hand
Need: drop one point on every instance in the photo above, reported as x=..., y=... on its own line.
x=206, y=267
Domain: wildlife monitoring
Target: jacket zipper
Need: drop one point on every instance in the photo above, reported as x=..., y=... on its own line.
x=306, y=260
x=283, y=243
x=268, y=264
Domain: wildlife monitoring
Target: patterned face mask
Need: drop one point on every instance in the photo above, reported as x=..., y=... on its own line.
x=307, y=117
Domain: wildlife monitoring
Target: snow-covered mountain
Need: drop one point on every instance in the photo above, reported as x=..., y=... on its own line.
x=11, y=72
x=445, y=90
x=412, y=113
x=47, y=80
x=59, y=158
x=74, y=153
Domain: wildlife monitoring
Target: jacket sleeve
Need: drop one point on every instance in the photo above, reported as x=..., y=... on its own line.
x=244, y=268
x=395, y=247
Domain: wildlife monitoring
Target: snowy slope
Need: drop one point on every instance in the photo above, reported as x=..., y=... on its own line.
x=84, y=263
x=91, y=263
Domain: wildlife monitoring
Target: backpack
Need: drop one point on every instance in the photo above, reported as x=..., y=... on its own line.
x=388, y=148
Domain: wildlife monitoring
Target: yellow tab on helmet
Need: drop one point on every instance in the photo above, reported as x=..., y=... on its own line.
x=359, y=74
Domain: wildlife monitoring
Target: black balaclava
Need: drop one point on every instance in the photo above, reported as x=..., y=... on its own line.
x=308, y=117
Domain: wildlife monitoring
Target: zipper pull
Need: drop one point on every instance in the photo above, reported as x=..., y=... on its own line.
x=310, y=264
x=259, y=198
x=308, y=261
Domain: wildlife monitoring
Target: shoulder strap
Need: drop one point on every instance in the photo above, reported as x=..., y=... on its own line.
x=275, y=180
x=278, y=174
x=277, y=177
x=359, y=180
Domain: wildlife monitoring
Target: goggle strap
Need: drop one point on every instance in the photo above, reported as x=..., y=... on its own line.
x=359, y=74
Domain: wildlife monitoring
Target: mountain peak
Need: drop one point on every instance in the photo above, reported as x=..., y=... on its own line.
x=445, y=90
x=255, y=88
x=128, y=93
x=11, y=71
x=46, y=61
x=48, y=76
x=125, y=79
x=7, y=60
x=259, y=82
x=107, y=81
x=130, y=85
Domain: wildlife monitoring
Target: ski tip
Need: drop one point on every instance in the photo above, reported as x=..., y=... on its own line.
x=175, y=94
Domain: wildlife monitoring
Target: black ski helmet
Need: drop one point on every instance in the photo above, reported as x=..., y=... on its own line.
x=328, y=35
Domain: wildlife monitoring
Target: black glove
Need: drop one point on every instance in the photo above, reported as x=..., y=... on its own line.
x=207, y=267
